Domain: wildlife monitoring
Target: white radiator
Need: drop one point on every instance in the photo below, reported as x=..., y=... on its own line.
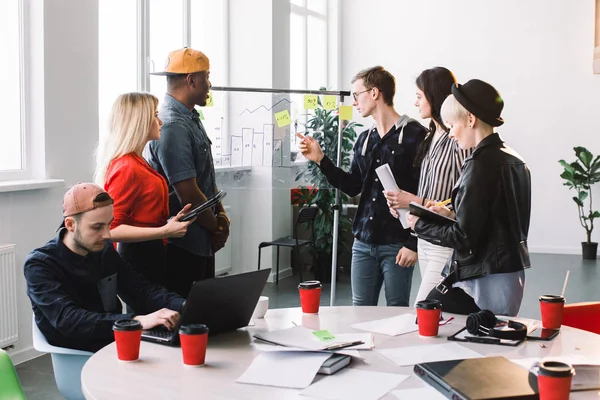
x=9, y=327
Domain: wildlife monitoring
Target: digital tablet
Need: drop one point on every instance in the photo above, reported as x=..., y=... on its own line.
x=193, y=213
x=425, y=213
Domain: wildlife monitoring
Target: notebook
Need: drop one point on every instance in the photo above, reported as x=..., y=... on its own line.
x=223, y=304
x=425, y=213
x=479, y=379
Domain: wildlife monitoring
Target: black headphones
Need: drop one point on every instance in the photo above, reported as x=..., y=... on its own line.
x=483, y=323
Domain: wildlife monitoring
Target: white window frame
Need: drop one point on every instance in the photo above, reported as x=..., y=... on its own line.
x=305, y=12
x=147, y=65
x=26, y=171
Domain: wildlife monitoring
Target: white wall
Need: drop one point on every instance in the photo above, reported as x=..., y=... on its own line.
x=69, y=87
x=537, y=53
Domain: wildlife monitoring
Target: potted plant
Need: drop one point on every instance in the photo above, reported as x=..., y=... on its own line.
x=580, y=175
x=324, y=128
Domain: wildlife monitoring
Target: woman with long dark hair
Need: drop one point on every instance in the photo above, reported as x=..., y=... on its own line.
x=441, y=160
x=492, y=210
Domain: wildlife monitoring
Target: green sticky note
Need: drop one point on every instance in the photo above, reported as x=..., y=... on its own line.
x=329, y=102
x=346, y=113
x=310, y=101
x=324, y=335
x=201, y=115
x=283, y=118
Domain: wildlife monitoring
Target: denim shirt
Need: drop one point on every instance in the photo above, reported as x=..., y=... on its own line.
x=183, y=152
x=373, y=222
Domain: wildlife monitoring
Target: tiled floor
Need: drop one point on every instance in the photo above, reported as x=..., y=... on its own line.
x=546, y=276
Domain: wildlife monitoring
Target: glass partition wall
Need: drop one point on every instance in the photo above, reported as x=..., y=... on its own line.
x=255, y=150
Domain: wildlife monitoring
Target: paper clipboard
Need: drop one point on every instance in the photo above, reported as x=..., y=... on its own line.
x=464, y=336
x=425, y=213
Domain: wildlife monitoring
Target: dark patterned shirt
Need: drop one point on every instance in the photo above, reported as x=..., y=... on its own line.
x=373, y=222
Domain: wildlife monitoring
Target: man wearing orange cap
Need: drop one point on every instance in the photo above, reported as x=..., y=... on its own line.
x=183, y=156
x=74, y=279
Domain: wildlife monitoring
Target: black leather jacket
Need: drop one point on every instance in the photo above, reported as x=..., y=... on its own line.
x=492, y=201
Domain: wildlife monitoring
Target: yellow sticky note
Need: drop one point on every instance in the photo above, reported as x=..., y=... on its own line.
x=283, y=118
x=310, y=101
x=346, y=113
x=209, y=101
x=329, y=102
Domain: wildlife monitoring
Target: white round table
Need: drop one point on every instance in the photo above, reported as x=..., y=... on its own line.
x=160, y=373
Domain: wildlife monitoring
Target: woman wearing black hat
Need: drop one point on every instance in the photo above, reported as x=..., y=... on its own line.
x=492, y=206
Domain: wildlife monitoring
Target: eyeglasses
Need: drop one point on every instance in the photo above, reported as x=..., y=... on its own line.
x=355, y=95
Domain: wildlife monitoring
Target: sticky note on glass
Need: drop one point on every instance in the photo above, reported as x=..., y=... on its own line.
x=201, y=114
x=310, y=101
x=283, y=118
x=209, y=101
x=329, y=102
x=324, y=335
x=346, y=113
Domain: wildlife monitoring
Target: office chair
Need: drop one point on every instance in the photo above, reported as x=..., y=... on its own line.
x=585, y=316
x=306, y=215
x=10, y=386
x=66, y=363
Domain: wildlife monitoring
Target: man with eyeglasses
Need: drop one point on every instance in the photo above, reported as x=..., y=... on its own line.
x=384, y=252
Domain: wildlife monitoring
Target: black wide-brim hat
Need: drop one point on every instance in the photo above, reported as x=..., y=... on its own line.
x=480, y=99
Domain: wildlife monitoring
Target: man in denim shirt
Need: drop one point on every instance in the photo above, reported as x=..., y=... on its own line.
x=384, y=252
x=183, y=156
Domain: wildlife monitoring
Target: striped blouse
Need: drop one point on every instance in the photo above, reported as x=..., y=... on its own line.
x=441, y=168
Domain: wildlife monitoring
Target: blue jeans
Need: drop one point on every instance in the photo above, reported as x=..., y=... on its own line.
x=374, y=265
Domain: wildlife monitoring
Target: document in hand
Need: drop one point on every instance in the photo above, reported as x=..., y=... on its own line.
x=212, y=201
x=384, y=173
x=303, y=338
x=426, y=213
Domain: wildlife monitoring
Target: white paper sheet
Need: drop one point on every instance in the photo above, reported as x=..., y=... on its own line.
x=389, y=184
x=272, y=347
x=411, y=355
x=424, y=393
x=287, y=369
x=393, y=326
x=350, y=384
x=303, y=338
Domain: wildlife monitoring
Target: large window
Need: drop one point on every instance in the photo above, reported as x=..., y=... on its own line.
x=309, y=42
x=13, y=138
x=137, y=35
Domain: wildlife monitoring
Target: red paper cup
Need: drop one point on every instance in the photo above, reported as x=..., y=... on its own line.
x=551, y=307
x=554, y=380
x=193, y=339
x=128, y=335
x=310, y=296
x=428, y=317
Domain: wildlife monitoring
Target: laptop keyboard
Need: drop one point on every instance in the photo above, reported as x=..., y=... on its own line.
x=160, y=332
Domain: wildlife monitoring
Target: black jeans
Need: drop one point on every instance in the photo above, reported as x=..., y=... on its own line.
x=454, y=301
x=184, y=268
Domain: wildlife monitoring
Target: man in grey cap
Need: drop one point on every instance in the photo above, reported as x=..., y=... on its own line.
x=183, y=156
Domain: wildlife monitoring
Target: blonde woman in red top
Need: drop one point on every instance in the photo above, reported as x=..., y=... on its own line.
x=141, y=222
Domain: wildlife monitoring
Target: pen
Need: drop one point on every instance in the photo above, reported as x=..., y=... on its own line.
x=344, y=345
x=443, y=203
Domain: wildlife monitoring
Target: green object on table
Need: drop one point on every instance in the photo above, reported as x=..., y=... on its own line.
x=10, y=386
x=324, y=335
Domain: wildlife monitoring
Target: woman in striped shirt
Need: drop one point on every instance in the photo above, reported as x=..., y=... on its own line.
x=441, y=161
